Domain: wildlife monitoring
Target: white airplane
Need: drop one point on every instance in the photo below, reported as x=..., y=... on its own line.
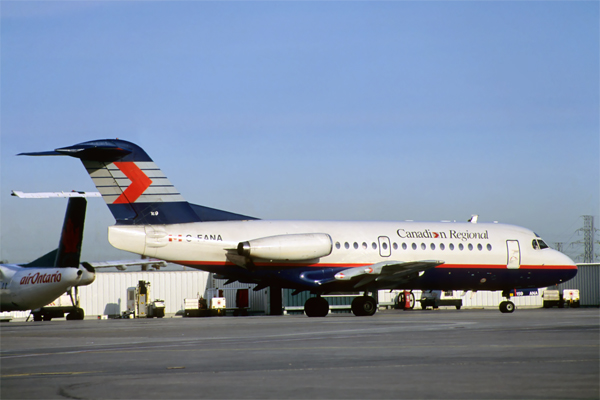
x=154, y=220
x=33, y=285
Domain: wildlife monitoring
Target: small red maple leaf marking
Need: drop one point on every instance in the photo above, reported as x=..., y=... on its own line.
x=139, y=182
x=70, y=237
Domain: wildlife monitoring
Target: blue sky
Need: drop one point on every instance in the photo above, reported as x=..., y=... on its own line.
x=307, y=110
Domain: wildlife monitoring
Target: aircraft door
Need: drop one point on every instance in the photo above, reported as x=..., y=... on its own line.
x=385, y=249
x=514, y=254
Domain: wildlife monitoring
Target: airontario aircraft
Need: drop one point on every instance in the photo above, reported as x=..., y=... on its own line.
x=153, y=219
x=33, y=285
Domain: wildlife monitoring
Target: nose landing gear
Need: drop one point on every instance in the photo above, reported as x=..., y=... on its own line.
x=507, y=306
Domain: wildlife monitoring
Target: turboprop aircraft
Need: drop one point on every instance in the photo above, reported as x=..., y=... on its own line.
x=154, y=220
x=31, y=286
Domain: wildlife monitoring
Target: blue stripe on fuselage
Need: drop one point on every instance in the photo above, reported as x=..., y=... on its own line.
x=446, y=278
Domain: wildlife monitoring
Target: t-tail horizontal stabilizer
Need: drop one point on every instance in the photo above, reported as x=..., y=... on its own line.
x=134, y=188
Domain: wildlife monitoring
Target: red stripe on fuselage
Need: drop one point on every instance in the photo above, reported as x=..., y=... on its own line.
x=344, y=265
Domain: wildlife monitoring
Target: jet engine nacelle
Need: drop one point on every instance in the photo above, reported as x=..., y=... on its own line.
x=293, y=247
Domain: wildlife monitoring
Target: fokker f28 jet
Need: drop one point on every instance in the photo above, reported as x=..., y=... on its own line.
x=154, y=220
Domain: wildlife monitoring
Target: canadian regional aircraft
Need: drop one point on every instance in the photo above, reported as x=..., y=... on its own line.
x=33, y=285
x=153, y=219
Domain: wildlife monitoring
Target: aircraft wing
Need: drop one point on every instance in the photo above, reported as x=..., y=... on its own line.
x=123, y=264
x=47, y=195
x=388, y=271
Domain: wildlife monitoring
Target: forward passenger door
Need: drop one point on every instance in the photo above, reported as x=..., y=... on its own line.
x=514, y=254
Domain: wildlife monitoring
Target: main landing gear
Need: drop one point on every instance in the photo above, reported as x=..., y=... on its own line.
x=316, y=307
x=361, y=306
x=364, y=305
x=507, y=306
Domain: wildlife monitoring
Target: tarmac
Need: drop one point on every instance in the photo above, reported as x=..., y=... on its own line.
x=443, y=354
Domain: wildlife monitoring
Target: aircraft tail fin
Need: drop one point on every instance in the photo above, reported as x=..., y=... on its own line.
x=134, y=188
x=71, y=237
x=68, y=252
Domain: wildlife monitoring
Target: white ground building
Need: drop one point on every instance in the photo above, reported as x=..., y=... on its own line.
x=108, y=294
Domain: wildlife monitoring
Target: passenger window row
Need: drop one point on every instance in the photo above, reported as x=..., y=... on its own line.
x=414, y=246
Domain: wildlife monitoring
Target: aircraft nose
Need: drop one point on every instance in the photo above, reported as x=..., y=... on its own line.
x=567, y=266
x=566, y=260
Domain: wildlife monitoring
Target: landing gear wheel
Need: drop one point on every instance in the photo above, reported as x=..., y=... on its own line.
x=316, y=307
x=77, y=314
x=507, y=307
x=364, y=306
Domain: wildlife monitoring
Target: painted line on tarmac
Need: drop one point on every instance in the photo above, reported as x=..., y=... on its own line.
x=49, y=374
x=170, y=348
x=333, y=334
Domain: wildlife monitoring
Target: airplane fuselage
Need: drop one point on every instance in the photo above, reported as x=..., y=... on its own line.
x=477, y=256
x=24, y=288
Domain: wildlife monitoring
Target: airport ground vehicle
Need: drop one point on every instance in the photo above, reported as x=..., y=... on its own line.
x=139, y=304
x=65, y=304
x=440, y=298
x=554, y=298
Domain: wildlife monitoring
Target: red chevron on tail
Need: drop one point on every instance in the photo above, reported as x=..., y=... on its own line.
x=139, y=182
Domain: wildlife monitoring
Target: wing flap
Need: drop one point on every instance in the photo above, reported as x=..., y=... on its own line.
x=122, y=265
x=389, y=271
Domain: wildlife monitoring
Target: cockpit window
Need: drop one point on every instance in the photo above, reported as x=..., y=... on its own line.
x=539, y=244
x=543, y=244
x=535, y=244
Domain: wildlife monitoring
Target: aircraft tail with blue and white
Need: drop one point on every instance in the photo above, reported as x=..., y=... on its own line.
x=136, y=191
